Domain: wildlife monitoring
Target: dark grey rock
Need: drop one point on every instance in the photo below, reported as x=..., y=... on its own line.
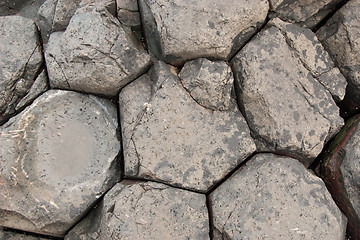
x=169, y=137
x=27, y=8
x=94, y=54
x=145, y=210
x=128, y=13
x=20, y=64
x=274, y=197
x=57, y=157
x=340, y=169
x=209, y=83
x=177, y=31
x=307, y=13
x=340, y=36
x=7, y=235
x=54, y=16
x=287, y=109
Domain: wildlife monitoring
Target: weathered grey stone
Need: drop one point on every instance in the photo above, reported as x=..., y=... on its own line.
x=109, y=5
x=335, y=83
x=178, y=30
x=169, y=137
x=7, y=235
x=274, y=197
x=307, y=13
x=57, y=157
x=54, y=16
x=94, y=54
x=287, y=109
x=22, y=8
x=146, y=210
x=340, y=169
x=209, y=83
x=20, y=62
x=128, y=12
x=313, y=56
x=341, y=38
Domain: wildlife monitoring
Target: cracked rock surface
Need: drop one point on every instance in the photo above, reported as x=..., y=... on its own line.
x=340, y=170
x=57, y=157
x=20, y=65
x=169, y=137
x=94, y=54
x=146, y=210
x=341, y=38
x=207, y=28
x=274, y=197
x=7, y=235
x=307, y=13
x=295, y=114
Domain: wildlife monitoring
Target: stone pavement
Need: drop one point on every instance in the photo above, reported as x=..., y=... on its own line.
x=179, y=119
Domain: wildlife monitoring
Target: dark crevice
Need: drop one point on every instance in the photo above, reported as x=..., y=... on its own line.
x=325, y=19
x=267, y=19
x=242, y=164
x=121, y=153
x=30, y=234
x=140, y=179
x=211, y=218
x=141, y=31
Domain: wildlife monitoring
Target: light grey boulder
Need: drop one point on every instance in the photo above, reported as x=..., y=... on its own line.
x=341, y=38
x=54, y=16
x=128, y=13
x=274, y=197
x=287, y=109
x=146, y=210
x=209, y=83
x=94, y=54
x=20, y=64
x=307, y=13
x=169, y=137
x=177, y=31
x=57, y=158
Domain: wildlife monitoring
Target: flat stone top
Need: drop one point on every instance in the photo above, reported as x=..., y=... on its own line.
x=275, y=197
x=57, y=158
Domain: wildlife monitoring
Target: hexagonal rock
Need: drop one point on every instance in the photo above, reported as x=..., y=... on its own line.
x=178, y=30
x=20, y=64
x=146, y=210
x=340, y=170
x=287, y=109
x=275, y=197
x=169, y=137
x=56, y=158
x=94, y=54
x=341, y=38
x=307, y=13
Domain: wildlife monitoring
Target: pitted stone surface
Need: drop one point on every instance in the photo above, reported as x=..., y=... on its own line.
x=57, y=157
x=94, y=54
x=20, y=63
x=178, y=30
x=307, y=13
x=209, y=83
x=274, y=197
x=145, y=210
x=54, y=16
x=6, y=235
x=341, y=38
x=169, y=137
x=340, y=169
x=287, y=109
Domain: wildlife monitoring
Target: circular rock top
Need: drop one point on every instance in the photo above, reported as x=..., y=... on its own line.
x=274, y=197
x=57, y=157
x=146, y=210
